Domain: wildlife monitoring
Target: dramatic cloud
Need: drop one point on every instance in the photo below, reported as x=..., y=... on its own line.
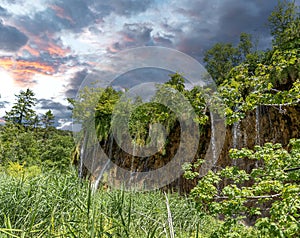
x=59, y=110
x=11, y=39
x=74, y=84
x=62, y=40
x=220, y=21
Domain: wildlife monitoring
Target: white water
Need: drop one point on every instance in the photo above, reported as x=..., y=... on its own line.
x=82, y=154
x=235, y=140
x=257, y=126
x=97, y=181
x=236, y=134
x=257, y=129
x=213, y=138
x=134, y=148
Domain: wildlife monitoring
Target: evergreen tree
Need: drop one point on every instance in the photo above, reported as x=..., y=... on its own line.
x=284, y=23
x=48, y=119
x=22, y=112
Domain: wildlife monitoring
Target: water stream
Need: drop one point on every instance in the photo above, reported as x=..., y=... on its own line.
x=257, y=130
x=134, y=150
x=106, y=165
x=82, y=154
x=213, y=138
x=257, y=125
x=235, y=140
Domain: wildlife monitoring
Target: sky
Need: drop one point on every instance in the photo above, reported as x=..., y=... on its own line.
x=50, y=46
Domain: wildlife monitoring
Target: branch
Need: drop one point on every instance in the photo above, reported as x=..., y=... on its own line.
x=249, y=197
x=281, y=105
x=291, y=169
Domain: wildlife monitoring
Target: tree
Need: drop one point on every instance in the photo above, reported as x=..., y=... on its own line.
x=268, y=194
x=245, y=46
x=22, y=112
x=284, y=23
x=48, y=119
x=220, y=59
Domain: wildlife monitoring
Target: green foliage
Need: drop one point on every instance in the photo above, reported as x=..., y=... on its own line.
x=17, y=170
x=56, y=152
x=274, y=82
x=284, y=23
x=104, y=110
x=59, y=205
x=48, y=119
x=22, y=112
x=220, y=59
x=31, y=148
x=268, y=193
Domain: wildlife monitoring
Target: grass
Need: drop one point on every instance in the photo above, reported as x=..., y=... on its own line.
x=53, y=204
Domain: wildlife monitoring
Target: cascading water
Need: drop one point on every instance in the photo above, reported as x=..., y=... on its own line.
x=235, y=140
x=213, y=138
x=257, y=129
x=257, y=125
x=134, y=148
x=106, y=165
x=82, y=154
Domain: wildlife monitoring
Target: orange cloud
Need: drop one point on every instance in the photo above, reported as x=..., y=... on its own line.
x=32, y=51
x=54, y=49
x=44, y=43
x=22, y=71
x=60, y=12
x=128, y=39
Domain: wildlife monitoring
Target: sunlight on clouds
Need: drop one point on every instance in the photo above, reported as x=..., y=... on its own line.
x=49, y=87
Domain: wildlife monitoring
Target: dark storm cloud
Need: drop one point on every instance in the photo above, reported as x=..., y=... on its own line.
x=55, y=18
x=74, y=84
x=133, y=35
x=143, y=75
x=137, y=33
x=74, y=14
x=48, y=104
x=77, y=14
x=11, y=39
x=238, y=17
x=60, y=111
x=212, y=22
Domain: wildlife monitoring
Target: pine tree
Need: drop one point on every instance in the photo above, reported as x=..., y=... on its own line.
x=22, y=112
x=48, y=119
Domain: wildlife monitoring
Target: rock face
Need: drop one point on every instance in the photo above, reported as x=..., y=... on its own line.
x=265, y=124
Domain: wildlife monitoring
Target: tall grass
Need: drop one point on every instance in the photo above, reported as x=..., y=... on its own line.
x=60, y=205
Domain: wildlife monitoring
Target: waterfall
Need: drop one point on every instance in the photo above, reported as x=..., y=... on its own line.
x=132, y=173
x=257, y=126
x=82, y=154
x=236, y=134
x=97, y=182
x=235, y=140
x=213, y=137
x=257, y=129
x=106, y=165
x=213, y=145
